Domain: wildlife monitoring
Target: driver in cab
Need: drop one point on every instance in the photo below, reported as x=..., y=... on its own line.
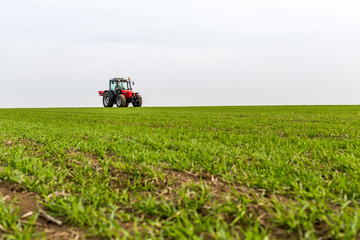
x=118, y=88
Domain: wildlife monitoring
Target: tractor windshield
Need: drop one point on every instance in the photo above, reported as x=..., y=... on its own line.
x=123, y=85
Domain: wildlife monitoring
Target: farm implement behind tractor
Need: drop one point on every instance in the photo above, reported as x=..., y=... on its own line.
x=120, y=93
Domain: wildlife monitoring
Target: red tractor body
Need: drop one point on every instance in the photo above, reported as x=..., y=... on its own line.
x=127, y=93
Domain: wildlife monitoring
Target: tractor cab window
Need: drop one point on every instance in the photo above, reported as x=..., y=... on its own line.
x=116, y=86
x=113, y=86
x=123, y=86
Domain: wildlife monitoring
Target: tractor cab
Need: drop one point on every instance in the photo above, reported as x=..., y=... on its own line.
x=117, y=85
x=121, y=86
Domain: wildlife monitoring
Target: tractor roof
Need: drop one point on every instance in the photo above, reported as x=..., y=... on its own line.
x=119, y=79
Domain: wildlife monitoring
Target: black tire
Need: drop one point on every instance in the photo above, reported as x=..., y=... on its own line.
x=107, y=101
x=138, y=102
x=121, y=101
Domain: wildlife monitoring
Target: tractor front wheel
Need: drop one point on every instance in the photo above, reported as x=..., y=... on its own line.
x=138, y=102
x=107, y=101
x=121, y=101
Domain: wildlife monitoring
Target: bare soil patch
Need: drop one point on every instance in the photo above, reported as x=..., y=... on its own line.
x=29, y=204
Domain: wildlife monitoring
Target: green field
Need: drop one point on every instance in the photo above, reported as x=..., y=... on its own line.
x=279, y=172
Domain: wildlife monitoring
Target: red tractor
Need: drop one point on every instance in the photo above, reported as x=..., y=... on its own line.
x=120, y=92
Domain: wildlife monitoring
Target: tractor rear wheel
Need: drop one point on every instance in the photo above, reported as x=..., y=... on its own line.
x=121, y=101
x=138, y=102
x=107, y=101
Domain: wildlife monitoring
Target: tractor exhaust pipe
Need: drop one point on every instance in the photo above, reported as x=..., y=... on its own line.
x=130, y=84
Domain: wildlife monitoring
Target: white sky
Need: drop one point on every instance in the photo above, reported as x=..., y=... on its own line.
x=58, y=53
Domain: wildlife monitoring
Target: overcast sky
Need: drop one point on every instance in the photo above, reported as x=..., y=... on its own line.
x=59, y=53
